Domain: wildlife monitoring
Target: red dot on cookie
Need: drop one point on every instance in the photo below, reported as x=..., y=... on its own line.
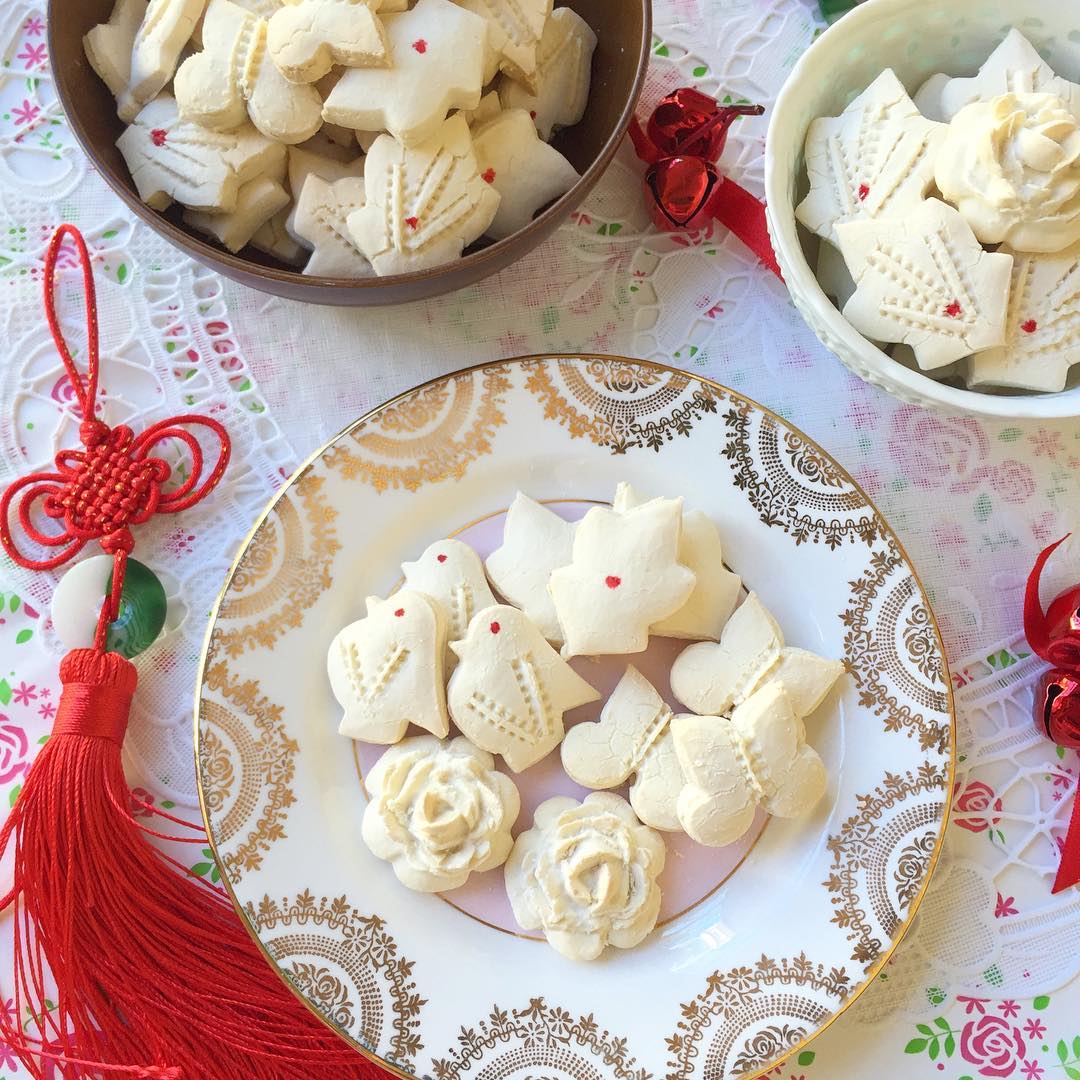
x=864, y=190
x=1029, y=327
x=494, y=627
x=412, y=222
x=441, y=558
x=532, y=114
x=954, y=310
x=420, y=45
x=158, y=136
x=488, y=176
x=612, y=582
x=400, y=611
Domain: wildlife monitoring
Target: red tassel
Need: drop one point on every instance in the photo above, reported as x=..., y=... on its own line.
x=123, y=964
x=149, y=966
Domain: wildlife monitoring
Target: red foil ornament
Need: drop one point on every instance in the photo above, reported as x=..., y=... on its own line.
x=681, y=143
x=1054, y=635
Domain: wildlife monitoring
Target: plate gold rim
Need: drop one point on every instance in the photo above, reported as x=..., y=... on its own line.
x=860, y=988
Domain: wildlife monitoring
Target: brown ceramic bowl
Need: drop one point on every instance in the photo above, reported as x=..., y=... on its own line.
x=623, y=29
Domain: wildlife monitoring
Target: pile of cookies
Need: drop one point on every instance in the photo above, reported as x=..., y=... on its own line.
x=443, y=649
x=350, y=137
x=950, y=223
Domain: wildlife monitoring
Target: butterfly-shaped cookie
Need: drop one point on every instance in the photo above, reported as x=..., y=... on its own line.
x=758, y=757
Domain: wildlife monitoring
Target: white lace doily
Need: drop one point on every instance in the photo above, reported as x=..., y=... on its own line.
x=973, y=501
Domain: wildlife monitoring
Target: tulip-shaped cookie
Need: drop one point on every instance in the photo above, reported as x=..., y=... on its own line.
x=386, y=670
x=758, y=757
x=625, y=740
x=306, y=38
x=511, y=688
x=625, y=576
x=233, y=78
x=716, y=590
x=536, y=541
x=439, y=812
x=318, y=222
x=710, y=678
x=451, y=573
x=514, y=29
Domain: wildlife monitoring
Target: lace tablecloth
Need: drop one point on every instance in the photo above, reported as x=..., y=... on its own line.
x=986, y=983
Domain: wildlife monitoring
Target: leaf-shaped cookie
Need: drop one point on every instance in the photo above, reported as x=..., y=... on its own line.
x=874, y=160
x=424, y=203
x=319, y=222
x=514, y=31
x=926, y=281
x=1042, y=327
x=1015, y=66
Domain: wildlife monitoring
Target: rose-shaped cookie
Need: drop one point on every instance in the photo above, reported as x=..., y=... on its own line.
x=586, y=874
x=438, y=812
x=1011, y=166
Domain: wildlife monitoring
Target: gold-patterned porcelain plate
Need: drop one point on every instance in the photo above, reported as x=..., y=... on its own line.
x=759, y=947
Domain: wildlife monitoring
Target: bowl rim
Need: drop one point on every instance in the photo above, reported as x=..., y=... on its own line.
x=207, y=252
x=880, y=369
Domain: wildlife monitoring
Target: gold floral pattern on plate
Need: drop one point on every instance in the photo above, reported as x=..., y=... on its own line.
x=793, y=485
x=246, y=765
x=539, y=1040
x=617, y=403
x=284, y=570
x=892, y=651
x=428, y=435
x=748, y=1018
x=347, y=964
x=881, y=856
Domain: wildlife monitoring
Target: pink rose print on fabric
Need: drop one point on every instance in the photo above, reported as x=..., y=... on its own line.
x=13, y=750
x=951, y=453
x=992, y=1044
x=972, y=804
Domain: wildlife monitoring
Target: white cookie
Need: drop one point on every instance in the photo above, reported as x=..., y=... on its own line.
x=319, y=158
x=386, y=670
x=654, y=794
x=526, y=172
x=108, y=45
x=1042, y=326
x=514, y=31
x=257, y=202
x=1015, y=66
x=716, y=590
x=604, y=753
x=511, y=688
x=625, y=577
x=1011, y=166
x=318, y=220
x=585, y=874
x=488, y=109
x=451, y=573
x=925, y=280
x=233, y=78
x=710, y=678
x=875, y=160
x=166, y=28
x=759, y=756
x=172, y=159
x=535, y=542
x=439, y=812
x=272, y=238
x=437, y=55
x=306, y=38
x=563, y=66
x=425, y=204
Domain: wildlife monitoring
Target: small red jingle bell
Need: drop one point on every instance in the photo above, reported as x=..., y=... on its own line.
x=1054, y=636
x=681, y=143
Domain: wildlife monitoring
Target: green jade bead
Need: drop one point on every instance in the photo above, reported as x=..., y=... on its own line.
x=143, y=607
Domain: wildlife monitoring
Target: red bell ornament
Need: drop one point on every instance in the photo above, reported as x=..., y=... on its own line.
x=681, y=143
x=1054, y=636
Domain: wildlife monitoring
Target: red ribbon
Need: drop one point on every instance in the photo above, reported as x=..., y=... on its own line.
x=1054, y=636
x=681, y=143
